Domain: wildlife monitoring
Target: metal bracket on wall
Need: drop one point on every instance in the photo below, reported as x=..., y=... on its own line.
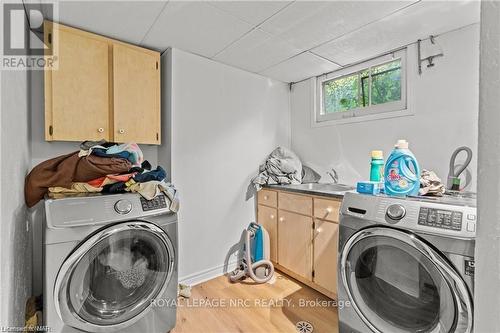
x=429, y=59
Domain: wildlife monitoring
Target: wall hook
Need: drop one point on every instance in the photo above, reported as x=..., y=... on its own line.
x=429, y=59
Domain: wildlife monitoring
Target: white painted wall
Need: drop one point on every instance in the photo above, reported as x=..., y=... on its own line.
x=444, y=100
x=224, y=122
x=15, y=238
x=487, y=291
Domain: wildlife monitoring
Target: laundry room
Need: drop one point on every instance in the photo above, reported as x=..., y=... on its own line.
x=250, y=166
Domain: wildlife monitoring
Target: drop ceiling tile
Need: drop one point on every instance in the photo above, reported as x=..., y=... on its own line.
x=307, y=24
x=253, y=12
x=196, y=27
x=417, y=21
x=300, y=67
x=124, y=20
x=256, y=51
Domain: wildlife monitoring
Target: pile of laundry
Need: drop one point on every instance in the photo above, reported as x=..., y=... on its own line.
x=99, y=166
x=284, y=167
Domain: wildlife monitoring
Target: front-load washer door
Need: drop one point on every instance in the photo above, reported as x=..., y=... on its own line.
x=110, y=280
x=397, y=282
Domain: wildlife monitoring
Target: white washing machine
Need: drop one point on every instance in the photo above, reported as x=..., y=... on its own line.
x=406, y=264
x=110, y=264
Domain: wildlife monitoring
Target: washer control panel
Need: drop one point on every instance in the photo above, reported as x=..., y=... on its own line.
x=440, y=218
x=156, y=203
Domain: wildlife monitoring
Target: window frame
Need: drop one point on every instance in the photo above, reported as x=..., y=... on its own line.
x=390, y=109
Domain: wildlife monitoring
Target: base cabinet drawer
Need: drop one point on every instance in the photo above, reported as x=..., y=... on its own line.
x=326, y=242
x=295, y=203
x=268, y=198
x=327, y=209
x=268, y=217
x=294, y=243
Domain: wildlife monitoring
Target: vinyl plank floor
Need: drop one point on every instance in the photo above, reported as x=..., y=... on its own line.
x=219, y=306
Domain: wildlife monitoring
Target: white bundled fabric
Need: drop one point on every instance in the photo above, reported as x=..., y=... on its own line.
x=430, y=184
x=281, y=167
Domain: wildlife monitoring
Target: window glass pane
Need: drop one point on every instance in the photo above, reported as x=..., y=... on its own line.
x=386, y=82
x=365, y=87
x=341, y=94
x=374, y=87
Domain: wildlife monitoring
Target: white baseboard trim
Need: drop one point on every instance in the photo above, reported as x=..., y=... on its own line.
x=207, y=274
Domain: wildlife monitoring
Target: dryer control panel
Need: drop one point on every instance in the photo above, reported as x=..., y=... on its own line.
x=440, y=218
x=94, y=210
x=156, y=203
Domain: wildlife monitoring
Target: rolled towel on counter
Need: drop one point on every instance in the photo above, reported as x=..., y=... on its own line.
x=431, y=184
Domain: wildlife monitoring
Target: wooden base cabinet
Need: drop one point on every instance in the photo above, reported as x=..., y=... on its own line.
x=326, y=243
x=303, y=232
x=267, y=217
x=294, y=243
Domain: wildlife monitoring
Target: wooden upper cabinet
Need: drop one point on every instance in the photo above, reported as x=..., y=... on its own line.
x=136, y=90
x=100, y=88
x=77, y=91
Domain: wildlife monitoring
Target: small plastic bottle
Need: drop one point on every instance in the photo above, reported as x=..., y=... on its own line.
x=377, y=166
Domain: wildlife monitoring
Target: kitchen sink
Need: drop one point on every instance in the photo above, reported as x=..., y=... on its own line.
x=328, y=188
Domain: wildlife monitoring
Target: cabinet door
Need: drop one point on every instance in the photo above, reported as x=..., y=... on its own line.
x=326, y=235
x=267, y=217
x=136, y=95
x=295, y=243
x=77, y=94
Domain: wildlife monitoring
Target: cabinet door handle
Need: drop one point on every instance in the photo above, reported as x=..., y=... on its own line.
x=100, y=130
x=329, y=210
x=318, y=230
x=266, y=197
x=282, y=219
x=271, y=216
x=121, y=131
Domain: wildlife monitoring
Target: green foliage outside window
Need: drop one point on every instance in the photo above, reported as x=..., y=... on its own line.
x=353, y=91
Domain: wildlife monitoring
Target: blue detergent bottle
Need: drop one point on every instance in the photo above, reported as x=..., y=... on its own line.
x=402, y=172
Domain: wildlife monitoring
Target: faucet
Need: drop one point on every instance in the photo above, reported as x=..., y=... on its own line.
x=334, y=175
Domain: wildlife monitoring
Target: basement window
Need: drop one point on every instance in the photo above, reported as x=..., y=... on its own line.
x=372, y=87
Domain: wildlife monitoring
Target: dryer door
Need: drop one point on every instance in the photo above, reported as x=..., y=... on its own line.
x=397, y=282
x=109, y=281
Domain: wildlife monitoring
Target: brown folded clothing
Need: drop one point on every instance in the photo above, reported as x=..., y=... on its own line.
x=64, y=170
